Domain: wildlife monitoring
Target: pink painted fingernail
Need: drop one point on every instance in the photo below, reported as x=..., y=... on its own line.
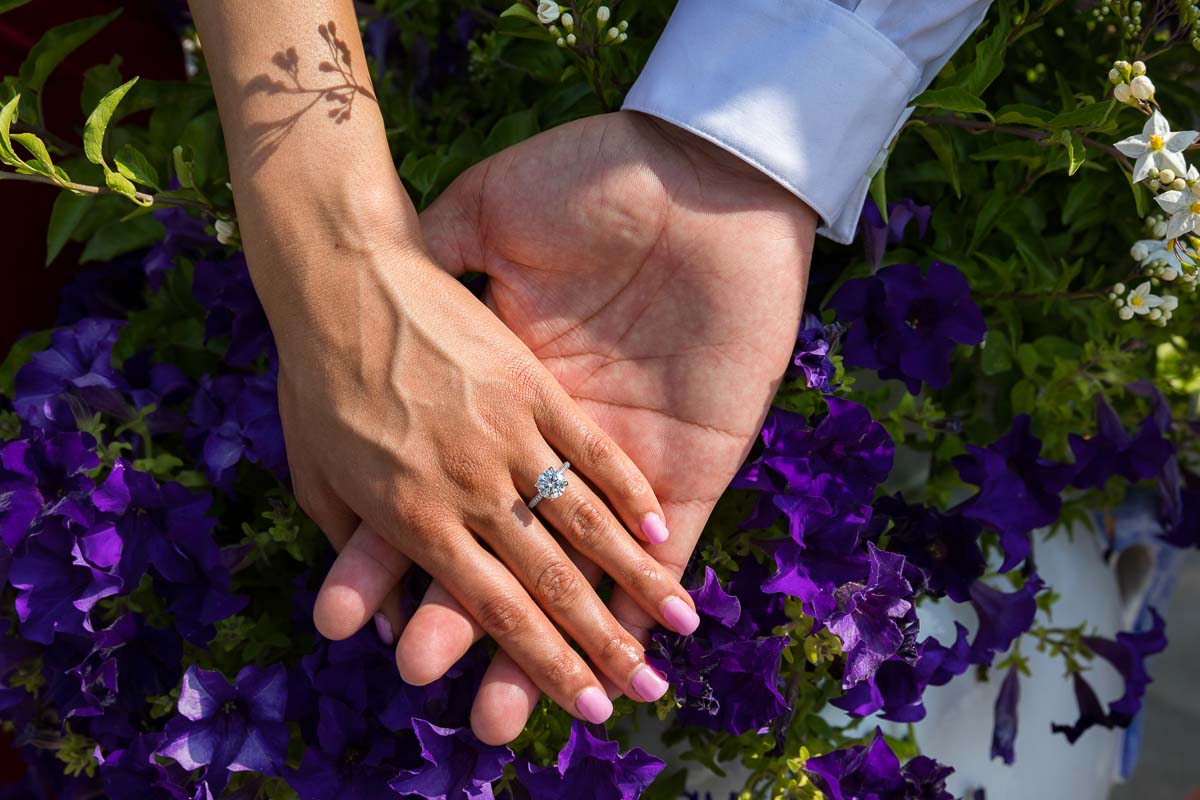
x=654, y=528
x=384, y=629
x=648, y=683
x=594, y=705
x=680, y=617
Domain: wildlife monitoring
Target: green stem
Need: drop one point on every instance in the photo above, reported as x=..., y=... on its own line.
x=83, y=188
x=980, y=126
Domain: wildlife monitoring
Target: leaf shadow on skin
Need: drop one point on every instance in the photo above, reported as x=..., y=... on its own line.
x=266, y=137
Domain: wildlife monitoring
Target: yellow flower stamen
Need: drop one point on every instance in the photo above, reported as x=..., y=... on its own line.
x=1195, y=209
x=1156, y=142
x=1137, y=300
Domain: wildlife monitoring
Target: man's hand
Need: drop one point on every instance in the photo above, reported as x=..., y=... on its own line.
x=660, y=279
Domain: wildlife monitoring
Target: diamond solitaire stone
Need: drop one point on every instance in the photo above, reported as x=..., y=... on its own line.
x=551, y=484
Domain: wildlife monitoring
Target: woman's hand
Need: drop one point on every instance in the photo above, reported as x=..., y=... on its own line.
x=405, y=402
x=408, y=408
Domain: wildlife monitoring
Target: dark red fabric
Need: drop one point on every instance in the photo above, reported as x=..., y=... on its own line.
x=149, y=48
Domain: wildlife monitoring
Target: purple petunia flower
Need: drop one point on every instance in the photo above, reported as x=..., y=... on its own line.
x=457, y=765
x=866, y=619
x=877, y=235
x=1004, y=730
x=1002, y=617
x=234, y=418
x=872, y=772
x=77, y=365
x=590, y=767
x=1018, y=489
x=158, y=384
x=185, y=236
x=20, y=499
x=905, y=325
x=942, y=549
x=1112, y=451
x=355, y=759
x=131, y=771
x=724, y=675
x=896, y=689
x=224, y=289
x=225, y=728
x=810, y=359
x=1127, y=654
x=58, y=579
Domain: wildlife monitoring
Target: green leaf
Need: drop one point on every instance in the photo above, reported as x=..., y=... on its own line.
x=997, y=353
x=9, y=5
x=183, y=166
x=97, y=123
x=113, y=240
x=1089, y=116
x=69, y=210
x=953, y=98
x=56, y=45
x=878, y=191
x=989, y=56
x=521, y=11
x=1028, y=358
x=421, y=172
x=18, y=356
x=8, y=115
x=134, y=165
x=1140, y=197
x=1024, y=397
x=988, y=215
x=943, y=148
x=1075, y=149
x=123, y=186
x=99, y=81
x=41, y=163
x=1024, y=114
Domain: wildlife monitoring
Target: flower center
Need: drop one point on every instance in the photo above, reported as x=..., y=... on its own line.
x=1156, y=142
x=1136, y=300
x=1195, y=208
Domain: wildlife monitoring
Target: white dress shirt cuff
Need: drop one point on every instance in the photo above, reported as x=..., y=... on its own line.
x=803, y=89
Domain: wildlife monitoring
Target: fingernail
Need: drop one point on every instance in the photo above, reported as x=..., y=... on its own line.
x=680, y=617
x=648, y=684
x=654, y=528
x=594, y=705
x=384, y=629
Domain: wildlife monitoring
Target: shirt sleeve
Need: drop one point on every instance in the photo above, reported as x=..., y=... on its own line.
x=811, y=92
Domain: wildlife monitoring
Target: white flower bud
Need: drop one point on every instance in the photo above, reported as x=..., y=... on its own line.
x=568, y=22
x=622, y=37
x=548, y=11
x=571, y=39
x=623, y=25
x=1122, y=93
x=1160, y=229
x=1154, y=314
x=1179, y=184
x=561, y=42
x=1138, y=68
x=1154, y=184
x=1139, y=252
x=553, y=30
x=611, y=35
x=1125, y=312
x=1114, y=76
x=226, y=231
x=1168, y=274
x=1121, y=65
x=1166, y=175
x=1142, y=88
x=603, y=14
x=1170, y=302
x=1119, y=288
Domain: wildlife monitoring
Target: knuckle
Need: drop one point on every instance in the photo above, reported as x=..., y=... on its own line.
x=501, y=615
x=463, y=468
x=556, y=585
x=586, y=526
x=522, y=373
x=645, y=577
x=563, y=669
x=618, y=646
x=598, y=449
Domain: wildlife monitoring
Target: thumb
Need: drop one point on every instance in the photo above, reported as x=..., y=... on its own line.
x=450, y=226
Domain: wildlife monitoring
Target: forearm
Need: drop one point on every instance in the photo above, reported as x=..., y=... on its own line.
x=308, y=156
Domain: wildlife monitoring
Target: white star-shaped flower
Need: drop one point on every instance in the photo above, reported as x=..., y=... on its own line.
x=1140, y=300
x=1184, y=208
x=1158, y=147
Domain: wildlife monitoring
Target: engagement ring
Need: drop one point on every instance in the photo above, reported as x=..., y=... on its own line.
x=551, y=484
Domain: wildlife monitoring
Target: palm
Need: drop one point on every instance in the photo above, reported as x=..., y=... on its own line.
x=658, y=277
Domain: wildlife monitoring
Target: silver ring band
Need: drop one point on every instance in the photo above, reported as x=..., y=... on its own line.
x=551, y=484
